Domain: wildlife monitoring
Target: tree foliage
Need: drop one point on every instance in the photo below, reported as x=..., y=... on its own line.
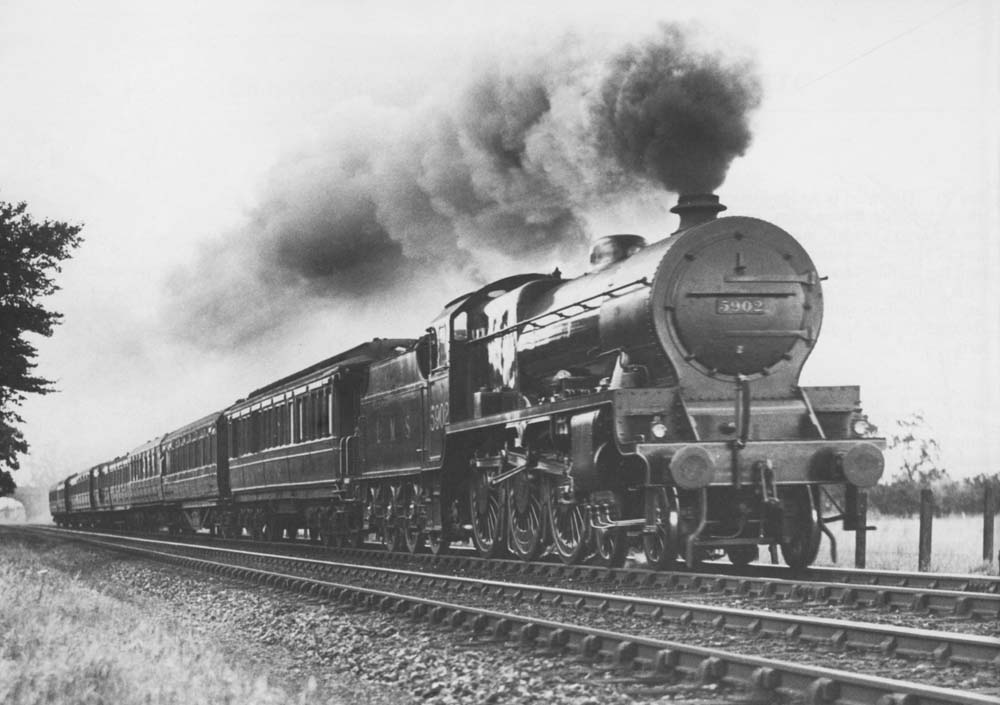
x=919, y=450
x=920, y=468
x=30, y=257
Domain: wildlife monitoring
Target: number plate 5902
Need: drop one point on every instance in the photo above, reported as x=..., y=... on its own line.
x=740, y=305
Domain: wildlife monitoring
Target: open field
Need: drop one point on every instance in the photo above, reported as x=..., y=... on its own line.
x=957, y=544
x=64, y=642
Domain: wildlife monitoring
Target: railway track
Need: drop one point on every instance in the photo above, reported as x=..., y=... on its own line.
x=976, y=597
x=632, y=649
x=961, y=596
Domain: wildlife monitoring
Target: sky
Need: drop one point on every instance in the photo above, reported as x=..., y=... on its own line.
x=164, y=127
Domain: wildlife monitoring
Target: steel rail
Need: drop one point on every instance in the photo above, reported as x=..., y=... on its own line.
x=940, y=647
x=981, y=605
x=959, y=582
x=861, y=589
x=819, y=685
x=898, y=578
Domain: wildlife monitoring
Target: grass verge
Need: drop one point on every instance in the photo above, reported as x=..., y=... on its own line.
x=64, y=642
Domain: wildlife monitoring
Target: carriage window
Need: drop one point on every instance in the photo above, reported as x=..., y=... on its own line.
x=328, y=407
x=322, y=420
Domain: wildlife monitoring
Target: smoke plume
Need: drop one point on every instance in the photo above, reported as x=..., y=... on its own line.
x=472, y=184
x=674, y=115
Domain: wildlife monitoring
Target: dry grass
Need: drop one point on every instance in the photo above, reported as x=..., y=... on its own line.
x=63, y=642
x=957, y=544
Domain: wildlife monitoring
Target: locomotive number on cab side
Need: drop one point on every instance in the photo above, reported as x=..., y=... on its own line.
x=439, y=416
x=736, y=306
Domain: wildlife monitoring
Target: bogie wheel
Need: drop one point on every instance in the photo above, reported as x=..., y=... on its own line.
x=802, y=529
x=269, y=531
x=526, y=517
x=487, y=511
x=742, y=555
x=330, y=533
x=661, y=546
x=569, y=525
x=413, y=512
x=255, y=524
x=610, y=547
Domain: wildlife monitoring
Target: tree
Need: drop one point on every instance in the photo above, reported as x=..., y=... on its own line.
x=920, y=467
x=30, y=256
x=921, y=454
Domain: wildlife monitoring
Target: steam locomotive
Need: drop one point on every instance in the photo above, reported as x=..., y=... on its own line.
x=652, y=402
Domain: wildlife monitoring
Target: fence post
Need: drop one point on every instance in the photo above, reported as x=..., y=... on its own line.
x=861, y=529
x=989, y=511
x=926, y=519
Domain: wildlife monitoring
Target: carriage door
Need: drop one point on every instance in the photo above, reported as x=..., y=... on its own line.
x=220, y=440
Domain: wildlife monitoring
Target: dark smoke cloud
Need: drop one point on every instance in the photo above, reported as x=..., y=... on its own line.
x=493, y=177
x=677, y=116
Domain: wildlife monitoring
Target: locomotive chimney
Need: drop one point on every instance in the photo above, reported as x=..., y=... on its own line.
x=696, y=208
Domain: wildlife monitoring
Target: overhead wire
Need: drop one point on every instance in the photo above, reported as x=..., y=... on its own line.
x=878, y=46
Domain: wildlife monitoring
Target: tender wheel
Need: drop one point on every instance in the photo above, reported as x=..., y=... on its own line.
x=486, y=509
x=413, y=513
x=330, y=533
x=802, y=531
x=742, y=555
x=439, y=543
x=661, y=547
x=354, y=539
x=393, y=537
x=526, y=519
x=569, y=525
